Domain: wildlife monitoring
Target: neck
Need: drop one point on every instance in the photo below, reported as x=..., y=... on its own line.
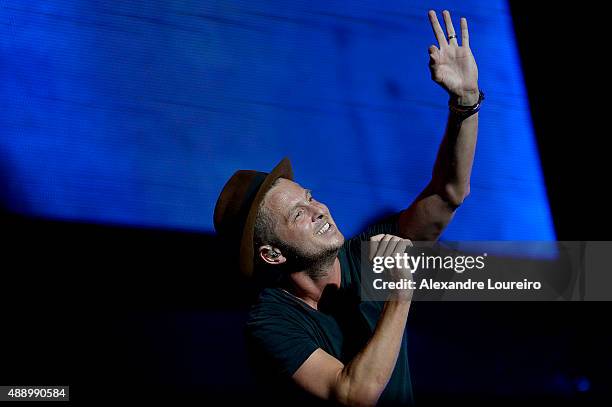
x=310, y=289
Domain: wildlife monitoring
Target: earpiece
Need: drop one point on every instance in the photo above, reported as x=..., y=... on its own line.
x=274, y=254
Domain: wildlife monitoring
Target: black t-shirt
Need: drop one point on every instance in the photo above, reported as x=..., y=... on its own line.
x=283, y=331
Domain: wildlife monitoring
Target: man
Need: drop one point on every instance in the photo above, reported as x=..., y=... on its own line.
x=309, y=333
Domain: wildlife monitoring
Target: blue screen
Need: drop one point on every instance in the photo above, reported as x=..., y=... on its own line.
x=137, y=113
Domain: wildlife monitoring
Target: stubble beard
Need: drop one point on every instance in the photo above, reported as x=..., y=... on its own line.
x=316, y=265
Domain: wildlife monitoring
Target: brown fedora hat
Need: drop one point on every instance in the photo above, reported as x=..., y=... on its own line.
x=237, y=206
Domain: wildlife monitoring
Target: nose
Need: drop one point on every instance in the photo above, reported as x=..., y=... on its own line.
x=317, y=214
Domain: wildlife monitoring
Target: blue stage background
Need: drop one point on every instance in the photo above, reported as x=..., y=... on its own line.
x=136, y=113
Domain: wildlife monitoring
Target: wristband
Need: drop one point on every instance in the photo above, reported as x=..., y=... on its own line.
x=466, y=111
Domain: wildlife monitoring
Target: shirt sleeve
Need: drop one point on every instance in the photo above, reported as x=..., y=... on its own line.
x=279, y=344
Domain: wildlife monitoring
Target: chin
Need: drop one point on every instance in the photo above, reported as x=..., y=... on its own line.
x=336, y=241
x=331, y=242
x=340, y=238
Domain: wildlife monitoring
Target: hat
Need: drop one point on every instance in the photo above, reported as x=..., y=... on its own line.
x=237, y=206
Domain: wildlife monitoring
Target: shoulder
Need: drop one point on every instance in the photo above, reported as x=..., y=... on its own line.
x=271, y=304
x=388, y=225
x=274, y=311
x=278, y=333
x=350, y=253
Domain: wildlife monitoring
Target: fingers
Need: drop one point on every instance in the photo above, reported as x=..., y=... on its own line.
x=401, y=249
x=374, y=245
x=437, y=29
x=387, y=246
x=450, y=30
x=382, y=245
x=402, y=245
x=434, y=55
x=392, y=246
x=433, y=51
x=465, y=35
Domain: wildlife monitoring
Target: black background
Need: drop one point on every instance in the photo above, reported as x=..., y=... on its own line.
x=124, y=312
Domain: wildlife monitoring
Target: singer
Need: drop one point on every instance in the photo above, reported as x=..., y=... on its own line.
x=310, y=337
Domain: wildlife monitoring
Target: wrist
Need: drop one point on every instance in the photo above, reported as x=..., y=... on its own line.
x=400, y=299
x=467, y=98
x=461, y=111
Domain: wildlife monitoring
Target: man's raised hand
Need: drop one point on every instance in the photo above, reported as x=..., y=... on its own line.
x=452, y=66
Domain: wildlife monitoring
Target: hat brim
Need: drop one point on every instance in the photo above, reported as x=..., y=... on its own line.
x=282, y=170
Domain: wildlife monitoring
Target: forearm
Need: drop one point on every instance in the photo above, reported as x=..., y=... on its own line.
x=362, y=381
x=431, y=212
x=453, y=166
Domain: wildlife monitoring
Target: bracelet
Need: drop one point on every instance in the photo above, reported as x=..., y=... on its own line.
x=466, y=111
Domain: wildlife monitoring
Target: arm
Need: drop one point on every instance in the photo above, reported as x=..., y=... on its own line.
x=364, y=378
x=362, y=381
x=454, y=68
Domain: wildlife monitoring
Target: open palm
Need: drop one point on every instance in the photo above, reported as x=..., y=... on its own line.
x=452, y=66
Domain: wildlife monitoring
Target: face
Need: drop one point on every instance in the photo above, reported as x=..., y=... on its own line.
x=301, y=222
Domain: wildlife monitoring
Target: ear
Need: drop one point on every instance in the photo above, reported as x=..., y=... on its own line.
x=271, y=255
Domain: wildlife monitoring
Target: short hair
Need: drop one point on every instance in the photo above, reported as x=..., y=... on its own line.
x=263, y=231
